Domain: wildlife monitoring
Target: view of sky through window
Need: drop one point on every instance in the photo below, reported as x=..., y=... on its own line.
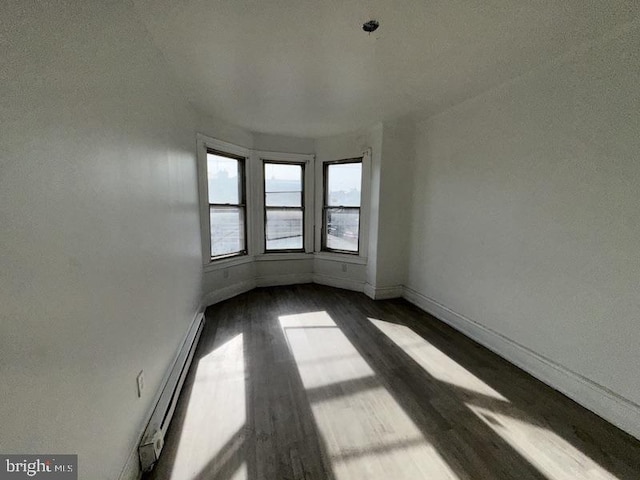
x=284, y=219
x=225, y=213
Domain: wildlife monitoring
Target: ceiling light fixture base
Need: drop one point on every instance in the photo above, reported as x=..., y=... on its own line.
x=370, y=26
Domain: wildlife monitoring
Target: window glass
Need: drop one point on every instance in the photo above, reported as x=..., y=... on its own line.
x=284, y=229
x=225, y=180
x=343, y=184
x=343, y=226
x=341, y=210
x=284, y=212
x=283, y=185
x=227, y=230
x=223, y=175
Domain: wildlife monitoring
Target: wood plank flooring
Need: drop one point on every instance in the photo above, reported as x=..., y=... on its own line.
x=309, y=382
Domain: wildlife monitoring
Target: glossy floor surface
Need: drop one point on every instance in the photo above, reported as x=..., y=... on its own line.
x=311, y=382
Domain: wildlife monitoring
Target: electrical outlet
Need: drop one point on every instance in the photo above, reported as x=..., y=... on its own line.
x=140, y=380
x=344, y=267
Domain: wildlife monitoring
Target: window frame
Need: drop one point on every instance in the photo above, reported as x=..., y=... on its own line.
x=254, y=209
x=303, y=207
x=242, y=186
x=203, y=144
x=325, y=206
x=258, y=224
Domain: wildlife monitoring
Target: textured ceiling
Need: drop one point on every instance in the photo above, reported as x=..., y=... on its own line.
x=306, y=68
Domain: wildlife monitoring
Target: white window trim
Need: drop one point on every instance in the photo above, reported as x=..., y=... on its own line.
x=308, y=161
x=203, y=143
x=254, y=184
x=365, y=201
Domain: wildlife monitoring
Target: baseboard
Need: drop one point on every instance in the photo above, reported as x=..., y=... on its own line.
x=383, y=293
x=225, y=293
x=131, y=469
x=338, y=282
x=285, y=279
x=616, y=409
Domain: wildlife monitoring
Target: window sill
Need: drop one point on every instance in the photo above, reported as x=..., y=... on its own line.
x=268, y=257
x=215, y=265
x=271, y=257
x=341, y=257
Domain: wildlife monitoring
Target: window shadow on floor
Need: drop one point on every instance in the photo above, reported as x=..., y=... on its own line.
x=580, y=433
x=281, y=436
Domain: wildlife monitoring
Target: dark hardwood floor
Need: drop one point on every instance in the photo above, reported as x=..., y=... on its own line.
x=311, y=382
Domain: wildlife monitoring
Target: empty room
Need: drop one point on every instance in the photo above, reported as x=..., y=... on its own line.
x=320, y=240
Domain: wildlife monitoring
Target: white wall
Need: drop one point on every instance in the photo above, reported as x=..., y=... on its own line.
x=284, y=144
x=527, y=218
x=387, y=209
x=396, y=179
x=347, y=271
x=100, y=260
x=221, y=130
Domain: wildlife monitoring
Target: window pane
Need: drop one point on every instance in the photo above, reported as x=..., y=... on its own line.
x=283, y=185
x=227, y=230
x=284, y=229
x=224, y=179
x=343, y=184
x=342, y=228
x=283, y=199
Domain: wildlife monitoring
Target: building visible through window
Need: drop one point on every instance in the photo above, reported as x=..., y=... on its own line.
x=341, y=210
x=227, y=207
x=284, y=206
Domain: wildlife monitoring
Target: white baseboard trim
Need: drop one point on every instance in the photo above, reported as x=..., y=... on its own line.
x=338, y=282
x=131, y=469
x=370, y=291
x=284, y=279
x=614, y=408
x=230, y=291
x=383, y=293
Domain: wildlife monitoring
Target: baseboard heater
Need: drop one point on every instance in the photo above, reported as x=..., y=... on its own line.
x=153, y=437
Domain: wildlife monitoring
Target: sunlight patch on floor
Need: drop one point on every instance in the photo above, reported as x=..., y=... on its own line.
x=215, y=435
x=433, y=360
x=312, y=338
x=366, y=433
x=552, y=455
